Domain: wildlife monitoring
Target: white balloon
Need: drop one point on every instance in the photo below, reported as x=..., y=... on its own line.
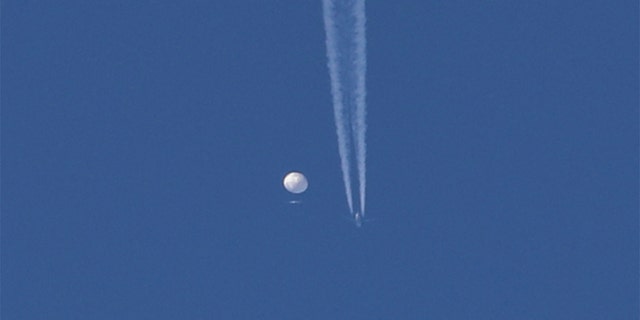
x=295, y=182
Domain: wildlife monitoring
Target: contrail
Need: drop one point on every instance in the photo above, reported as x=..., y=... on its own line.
x=360, y=97
x=344, y=22
x=336, y=92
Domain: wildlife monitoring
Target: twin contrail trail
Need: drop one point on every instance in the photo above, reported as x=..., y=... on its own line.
x=344, y=23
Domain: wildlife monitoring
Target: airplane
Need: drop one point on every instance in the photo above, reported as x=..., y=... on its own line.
x=357, y=218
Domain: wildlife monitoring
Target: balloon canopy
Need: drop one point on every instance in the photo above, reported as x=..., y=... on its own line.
x=295, y=182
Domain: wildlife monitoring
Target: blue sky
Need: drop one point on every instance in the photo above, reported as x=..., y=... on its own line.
x=144, y=143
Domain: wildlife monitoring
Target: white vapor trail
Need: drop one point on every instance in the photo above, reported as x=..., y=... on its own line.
x=344, y=22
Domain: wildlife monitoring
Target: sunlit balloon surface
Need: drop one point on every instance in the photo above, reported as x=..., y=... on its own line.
x=295, y=182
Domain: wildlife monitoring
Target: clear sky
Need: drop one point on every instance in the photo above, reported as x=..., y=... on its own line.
x=144, y=145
